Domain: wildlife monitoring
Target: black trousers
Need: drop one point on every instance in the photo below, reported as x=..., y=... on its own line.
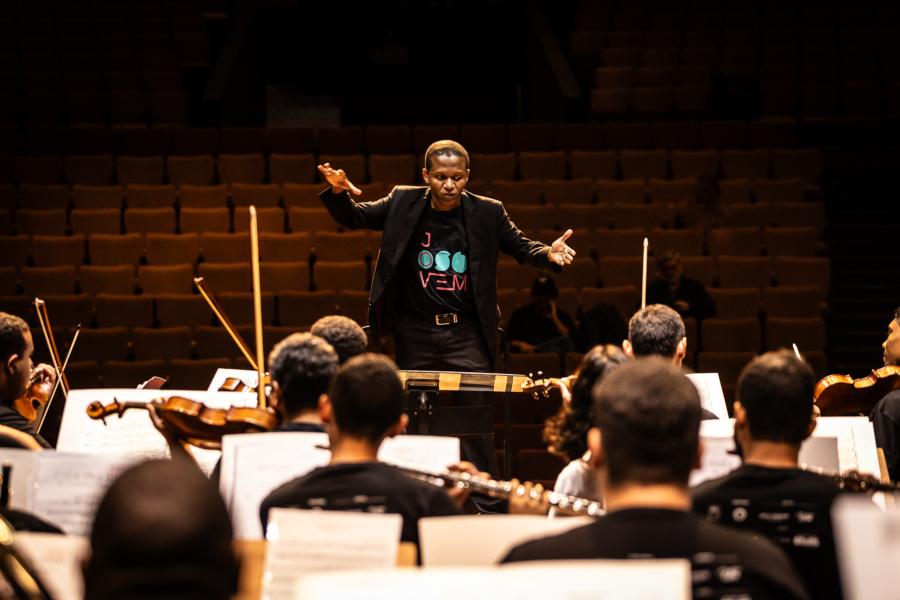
x=423, y=346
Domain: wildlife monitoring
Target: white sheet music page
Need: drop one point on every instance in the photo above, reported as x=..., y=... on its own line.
x=22, y=462
x=868, y=547
x=711, y=396
x=250, y=378
x=133, y=433
x=304, y=542
x=67, y=488
x=429, y=452
x=57, y=561
x=255, y=464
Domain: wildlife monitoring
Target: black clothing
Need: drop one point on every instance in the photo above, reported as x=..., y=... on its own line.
x=364, y=487
x=690, y=291
x=12, y=418
x=791, y=507
x=23, y=521
x=758, y=568
x=488, y=232
x=532, y=327
x=885, y=419
x=434, y=272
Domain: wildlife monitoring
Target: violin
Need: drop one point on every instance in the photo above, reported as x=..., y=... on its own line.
x=35, y=396
x=841, y=395
x=194, y=422
x=544, y=386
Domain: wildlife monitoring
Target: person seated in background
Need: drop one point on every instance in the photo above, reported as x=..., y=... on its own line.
x=644, y=445
x=540, y=326
x=161, y=531
x=363, y=407
x=16, y=348
x=672, y=288
x=343, y=333
x=565, y=433
x=769, y=493
x=885, y=416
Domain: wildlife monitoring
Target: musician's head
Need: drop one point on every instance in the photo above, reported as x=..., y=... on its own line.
x=301, y=367
x=16, y=348
x=656, y=330
x=892, y=344
x=648, y=425
x=343, y=333
x=365, y=401
x=774, y=401
x=446, y=172
x=669, y=264
x=161, y=531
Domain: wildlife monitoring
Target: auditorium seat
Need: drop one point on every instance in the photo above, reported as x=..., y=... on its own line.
x=172, y=249
x=278, y=277
x=41, y=222
x=388, y=140
x=203, y=196
x=268, y=219
x=340, y=141
x=745, y=164
x=793, y=301
x=117, y=279
x=353, y=165
x=644, y=164
x=509, y=300
x=744, y=271
x=580, y=274
x=302, y=309
x=243, y=140
x=128, y=107
x=676, y=135
x=292, y=168
x=44, y=197
x=166, y=279
x=624, y=298
x=109, y=250
x=97, y=197
x=616, y=271
x=790, y=271
x=40, y=281
x=101, y=345
x=139, y=195
x=291, y=140
x=425, y=135
x=394, y=170
x=194, y=374
x=731, y=335
x=686, y=242
x=597, y=216
x=538, y=466
x=700, y=268
x=284, y=247
x=791, y=241
x=629, y=216
x=353, y=304
x=178, y=310
x=531, y=137
x=628, y=136
x=241, y=168
x=8, y=281
x=690, y=164
x=517, y=192
x=195, y=141
x=778, y=190
x=631, y=191
x=512, y=275
x=533, y=217
x=347, y=246
x=773, y=133
x=227, y=277
x=14, y=250
x=225, y=247
x=89, y=222
x=481, y=138
x=239, y=306
x=69, y=311
x=38, y=170
x=728, y=365
x=123, y=311
x=146, y=141
x=807, y=333
x=216, y=342
x=736, y=303
x=89, y=170
x=735, y=241
x=493, y=166
x=204, y=220
x=593, y=165
x=618, y=242
x=575, y=191
x=676, y=191
x=53, y=251
x=302, y=195
x=610, y=103
x=542, y=165
x=164, y=344
x=193, y=170
x=800, y=215
x=723, y=135
x=738, y=191
x=149, y=220
x=145, y=170
x=129, y=375
x=311, y=219
x=258, y=195
x=337, y=276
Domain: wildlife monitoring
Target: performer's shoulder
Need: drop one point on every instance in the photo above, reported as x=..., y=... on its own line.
x=483, y=199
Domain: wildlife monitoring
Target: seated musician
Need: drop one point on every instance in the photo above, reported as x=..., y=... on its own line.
x=343, y=333
x=364, y=406
x=685, y=295
x=769, y=494
x=885, y=416
x=644, y=445
x=540, y=326
x=161, y=531
x=566, y=432
x=16, y=348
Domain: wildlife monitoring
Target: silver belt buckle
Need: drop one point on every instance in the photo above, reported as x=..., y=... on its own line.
x=437, y=319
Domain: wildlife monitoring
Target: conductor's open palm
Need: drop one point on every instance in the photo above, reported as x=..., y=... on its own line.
x=560, y=253
x=338, y=179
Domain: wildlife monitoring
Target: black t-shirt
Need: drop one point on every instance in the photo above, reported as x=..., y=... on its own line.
x=12, y=418
x=435, y=266
x=790, y=506
x=724, y=562
x=688, y=290
x=532, y=327
x=364, y=487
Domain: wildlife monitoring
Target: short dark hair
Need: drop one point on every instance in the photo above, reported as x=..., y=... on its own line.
x=445, y=148
x=343, y=333
x=161, y=531
x=667, y=256
x=897, y=315
x=303, y=365
x=776, y=389
x=367, y=396
x=566, y=432
x=12, y=335
x=655, y=331
x=648, y=414
x=544, y=286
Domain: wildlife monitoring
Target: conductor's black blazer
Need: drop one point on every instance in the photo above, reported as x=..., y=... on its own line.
x=488, y=231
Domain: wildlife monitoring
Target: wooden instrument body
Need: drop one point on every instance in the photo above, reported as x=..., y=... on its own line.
x=841, y=395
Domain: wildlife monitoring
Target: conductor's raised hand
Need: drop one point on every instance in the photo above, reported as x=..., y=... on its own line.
x=338, y=179
x=560, y=253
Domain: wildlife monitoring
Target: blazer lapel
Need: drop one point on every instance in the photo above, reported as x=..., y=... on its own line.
x=408, y=224
x=474, y=235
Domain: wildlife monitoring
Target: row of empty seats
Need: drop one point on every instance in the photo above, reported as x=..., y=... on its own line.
x=399, y=139
x=114, y=107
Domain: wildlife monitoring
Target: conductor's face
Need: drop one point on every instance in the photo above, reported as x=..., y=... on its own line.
x=447, y=179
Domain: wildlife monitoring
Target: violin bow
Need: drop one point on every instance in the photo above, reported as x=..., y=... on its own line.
x=208, y=295
x=41, y=308
x=46, y=408
x=257, y=306
x=644, y=278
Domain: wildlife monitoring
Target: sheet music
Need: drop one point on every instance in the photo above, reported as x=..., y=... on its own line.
x=715, y=461
x=426, y=451
x=247, y=376
x=710, y=389
x=856, y=442
x=447, y=541
x=132, y=434
x=867, y=540
x=303, y=542
x=668, y=579
x=67, y=488
x=57, y=561
x=255, y=464
x=22, y=468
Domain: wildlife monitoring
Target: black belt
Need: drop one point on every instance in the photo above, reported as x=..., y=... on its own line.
x=442, y=320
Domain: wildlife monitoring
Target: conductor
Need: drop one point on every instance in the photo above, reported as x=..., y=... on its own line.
x=434, y=285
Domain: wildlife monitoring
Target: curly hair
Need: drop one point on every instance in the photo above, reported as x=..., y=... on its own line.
x=565, y=433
